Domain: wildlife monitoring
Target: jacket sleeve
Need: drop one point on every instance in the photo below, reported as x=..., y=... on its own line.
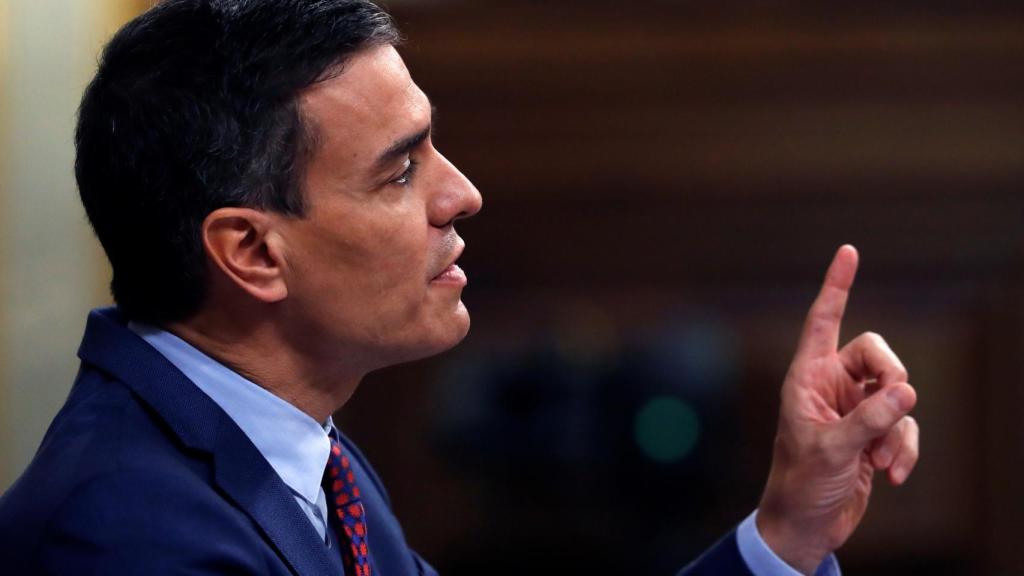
x=722, y=559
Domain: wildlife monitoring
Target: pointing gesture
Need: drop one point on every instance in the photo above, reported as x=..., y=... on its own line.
x=843, y=416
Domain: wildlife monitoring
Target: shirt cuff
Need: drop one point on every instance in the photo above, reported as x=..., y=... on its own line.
x=762, y=561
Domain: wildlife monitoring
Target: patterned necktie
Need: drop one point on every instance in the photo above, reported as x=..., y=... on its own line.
x=344, y=500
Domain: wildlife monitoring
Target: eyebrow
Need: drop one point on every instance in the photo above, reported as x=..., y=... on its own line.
x=402, y=146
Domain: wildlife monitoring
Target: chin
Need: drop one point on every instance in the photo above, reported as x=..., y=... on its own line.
x=455, y=331
x=444, y=334
x=452, y=330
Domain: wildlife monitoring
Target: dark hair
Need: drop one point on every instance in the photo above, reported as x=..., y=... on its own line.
x=195, y=107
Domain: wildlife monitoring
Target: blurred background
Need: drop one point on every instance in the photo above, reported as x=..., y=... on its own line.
x=664, y=185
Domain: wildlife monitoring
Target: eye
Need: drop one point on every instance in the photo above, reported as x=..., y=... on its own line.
x=405, y=177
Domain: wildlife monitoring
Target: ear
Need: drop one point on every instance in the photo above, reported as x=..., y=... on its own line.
x=240, y=242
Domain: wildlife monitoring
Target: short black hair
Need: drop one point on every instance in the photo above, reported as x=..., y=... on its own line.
x=195, y=107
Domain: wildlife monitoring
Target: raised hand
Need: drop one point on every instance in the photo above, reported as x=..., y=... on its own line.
x=843, y=416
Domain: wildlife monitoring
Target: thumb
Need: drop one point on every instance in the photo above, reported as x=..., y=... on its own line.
x=875, y=415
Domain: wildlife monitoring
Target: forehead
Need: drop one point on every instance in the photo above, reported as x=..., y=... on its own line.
x=372, y=103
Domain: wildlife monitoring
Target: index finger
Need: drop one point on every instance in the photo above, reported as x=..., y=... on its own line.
x=820, y=335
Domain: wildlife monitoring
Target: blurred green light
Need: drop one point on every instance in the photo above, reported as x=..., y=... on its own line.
x=666, y=429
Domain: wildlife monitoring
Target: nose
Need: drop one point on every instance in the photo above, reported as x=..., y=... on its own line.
x=454, y=197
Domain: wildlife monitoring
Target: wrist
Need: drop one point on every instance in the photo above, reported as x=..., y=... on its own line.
x=793, y=546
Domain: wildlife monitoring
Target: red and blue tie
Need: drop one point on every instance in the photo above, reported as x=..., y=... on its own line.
x=344, y=499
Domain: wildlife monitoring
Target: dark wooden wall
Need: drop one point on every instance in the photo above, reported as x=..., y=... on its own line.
x=644, y=161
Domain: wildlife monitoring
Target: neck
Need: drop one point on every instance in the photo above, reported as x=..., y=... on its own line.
x=253, y=346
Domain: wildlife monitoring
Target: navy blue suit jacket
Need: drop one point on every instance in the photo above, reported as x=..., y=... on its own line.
x=141, y=473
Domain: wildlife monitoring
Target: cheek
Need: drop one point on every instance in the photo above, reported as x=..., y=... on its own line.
x=379, y=270
x=396, y=261
x=370, y=247
x=366, y=280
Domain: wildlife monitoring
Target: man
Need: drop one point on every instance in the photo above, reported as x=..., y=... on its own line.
x=262, y=177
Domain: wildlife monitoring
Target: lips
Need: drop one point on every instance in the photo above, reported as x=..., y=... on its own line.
x=452, y=273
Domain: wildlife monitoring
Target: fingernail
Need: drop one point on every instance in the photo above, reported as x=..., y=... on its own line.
x=897, y=474
x=898, y=398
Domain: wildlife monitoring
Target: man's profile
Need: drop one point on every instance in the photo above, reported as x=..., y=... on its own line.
x=262, y=177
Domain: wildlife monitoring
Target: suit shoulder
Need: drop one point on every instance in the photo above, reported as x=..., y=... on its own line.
x=101, y=427
x=142, y=496
x=107, y=468
x=145, y=520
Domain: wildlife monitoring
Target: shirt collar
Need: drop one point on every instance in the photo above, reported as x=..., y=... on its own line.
x=295, y=445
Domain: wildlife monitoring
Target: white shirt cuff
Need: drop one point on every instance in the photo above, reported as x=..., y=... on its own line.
x=762, y=561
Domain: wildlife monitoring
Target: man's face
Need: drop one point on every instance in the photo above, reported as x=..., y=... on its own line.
x=370, y=267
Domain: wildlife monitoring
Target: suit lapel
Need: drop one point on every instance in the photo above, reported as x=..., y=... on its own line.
x=248, y=479
x=239, y=468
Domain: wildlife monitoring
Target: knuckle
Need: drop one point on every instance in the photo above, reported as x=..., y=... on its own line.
x=875, y=339
x=910, y=441
x=908, y=454
x=899, y=372
x=912, y=452
x=827, y=313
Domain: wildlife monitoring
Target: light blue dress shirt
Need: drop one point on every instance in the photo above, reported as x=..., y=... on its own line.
x=763, y=562
x=297, y=447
